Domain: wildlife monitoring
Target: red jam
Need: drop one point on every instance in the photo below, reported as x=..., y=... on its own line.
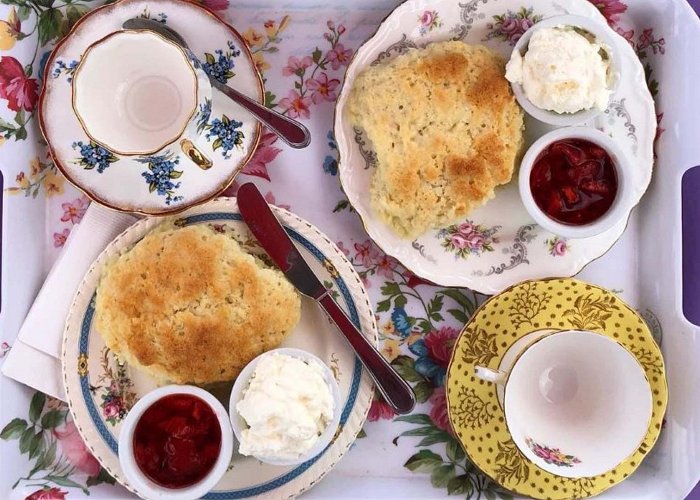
x=574, y=181
x=177, y=441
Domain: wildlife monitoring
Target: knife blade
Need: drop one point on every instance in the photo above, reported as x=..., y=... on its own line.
x=273, y=238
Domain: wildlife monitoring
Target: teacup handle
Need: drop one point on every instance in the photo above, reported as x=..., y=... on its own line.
x=494, y=376
x=195, y=154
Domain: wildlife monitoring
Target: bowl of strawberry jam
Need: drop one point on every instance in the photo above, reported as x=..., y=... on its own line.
x=175, y=443
x=574, y=182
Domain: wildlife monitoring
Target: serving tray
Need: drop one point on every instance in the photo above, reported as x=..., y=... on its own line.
x=398, y=458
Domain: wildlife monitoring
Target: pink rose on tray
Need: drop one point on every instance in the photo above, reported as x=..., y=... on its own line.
x=440, y=344
x=20, y=91
x=48, y=494
x=438, y=413
x=379, y=410
x=510, y=25
x=427, y=18
x=74, y=449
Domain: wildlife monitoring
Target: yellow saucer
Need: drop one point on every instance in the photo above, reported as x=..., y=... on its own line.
x=474, y=409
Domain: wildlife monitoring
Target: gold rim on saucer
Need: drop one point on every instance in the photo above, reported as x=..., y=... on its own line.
x=474, y=409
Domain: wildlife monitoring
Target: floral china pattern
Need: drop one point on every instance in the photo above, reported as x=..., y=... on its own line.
x=63, y=69
x=226, y=135
x=220, y=64
x=557, y=246
x=94, y=155
x=161, y=175
x=429, y=20
x=114, y=388
x=509, y=27
x=467, y=239
x=437, y=451
x=551, y=456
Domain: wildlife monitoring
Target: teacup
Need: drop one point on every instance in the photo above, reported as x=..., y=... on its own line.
x=576, y=402
x=137, y=93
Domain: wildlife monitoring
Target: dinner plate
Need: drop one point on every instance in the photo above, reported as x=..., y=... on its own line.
x=504, y=245
x=100, y=391
x=172, y=181
x=495, y=335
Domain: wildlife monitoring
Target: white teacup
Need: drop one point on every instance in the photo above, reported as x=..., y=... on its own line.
x=136, y=93
x=576, y=402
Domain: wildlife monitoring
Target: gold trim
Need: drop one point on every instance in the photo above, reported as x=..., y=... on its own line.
x=600, y=482
x=106, y=8
x=104, y=40
x=569, y=274
x=82, y=364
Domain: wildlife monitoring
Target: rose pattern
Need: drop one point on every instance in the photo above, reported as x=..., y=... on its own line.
x=551, y=456
x=509, y=27
x=467, y=239
x=429, y=20
x=48, y=494
x=557, y=246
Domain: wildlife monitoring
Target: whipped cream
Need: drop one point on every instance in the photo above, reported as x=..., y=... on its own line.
x=287, y=407
x=562, y=71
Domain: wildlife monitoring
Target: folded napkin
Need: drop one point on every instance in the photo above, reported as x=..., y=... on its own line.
x=35, y=356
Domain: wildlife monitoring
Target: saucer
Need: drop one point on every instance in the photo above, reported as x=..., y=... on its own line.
x=176, y=180
x=496, y=332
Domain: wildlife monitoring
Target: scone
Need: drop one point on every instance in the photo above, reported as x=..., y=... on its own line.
x=188, y=305
x=446, y=130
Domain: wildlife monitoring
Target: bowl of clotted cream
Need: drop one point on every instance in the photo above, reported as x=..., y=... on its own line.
x=284, y=407
x=565, y=69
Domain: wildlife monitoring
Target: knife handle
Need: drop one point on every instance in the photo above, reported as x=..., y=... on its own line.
x=395, y=390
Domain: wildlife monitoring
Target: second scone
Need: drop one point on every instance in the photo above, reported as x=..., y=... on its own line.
x=446, y=130
x=189, y=305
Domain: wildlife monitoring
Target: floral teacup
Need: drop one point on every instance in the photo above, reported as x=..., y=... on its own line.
x=136, y=93
x=577, y=403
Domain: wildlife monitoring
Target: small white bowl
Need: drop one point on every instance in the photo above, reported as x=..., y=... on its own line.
x=241, y=384
x=620, y=207
x=143, y=485
x=602, y=34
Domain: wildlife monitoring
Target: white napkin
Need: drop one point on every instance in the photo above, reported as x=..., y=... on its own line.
x=35, y=356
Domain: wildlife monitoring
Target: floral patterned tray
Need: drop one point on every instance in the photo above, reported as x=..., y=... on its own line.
x=302, y=50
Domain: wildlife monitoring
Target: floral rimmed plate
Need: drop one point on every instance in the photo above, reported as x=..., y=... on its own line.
x=493, y=338
x=100, y=391
x=169, y=182
x=499, y=244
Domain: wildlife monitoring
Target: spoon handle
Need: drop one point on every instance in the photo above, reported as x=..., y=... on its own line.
x=290, y=131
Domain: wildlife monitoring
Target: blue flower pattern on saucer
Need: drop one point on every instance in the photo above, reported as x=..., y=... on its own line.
x=92, y=155
x=220, y=64
x=160, y=174
x=226, y=133
x=203, y=115
x=61, y=68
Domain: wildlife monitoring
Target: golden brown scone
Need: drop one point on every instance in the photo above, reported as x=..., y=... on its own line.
x=188, y=305
x=446, y=130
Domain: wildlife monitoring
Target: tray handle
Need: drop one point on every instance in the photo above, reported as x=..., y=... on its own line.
x=690, y=210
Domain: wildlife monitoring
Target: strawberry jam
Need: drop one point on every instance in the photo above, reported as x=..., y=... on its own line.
x=574, y=181
x=177, y=441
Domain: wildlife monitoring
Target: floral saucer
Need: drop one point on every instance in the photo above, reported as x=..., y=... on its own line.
x=499, y=244
x=100, y=390
x=494, y=336
x=170, y=182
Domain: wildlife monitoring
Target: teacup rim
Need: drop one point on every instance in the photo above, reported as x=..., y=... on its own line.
x=161, y=38
x=563, y=332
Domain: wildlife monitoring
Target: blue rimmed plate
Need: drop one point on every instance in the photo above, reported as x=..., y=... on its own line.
x=100, y=391
x=178, y=178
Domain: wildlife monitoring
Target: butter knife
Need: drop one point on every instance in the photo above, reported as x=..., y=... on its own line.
x=279, y=246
